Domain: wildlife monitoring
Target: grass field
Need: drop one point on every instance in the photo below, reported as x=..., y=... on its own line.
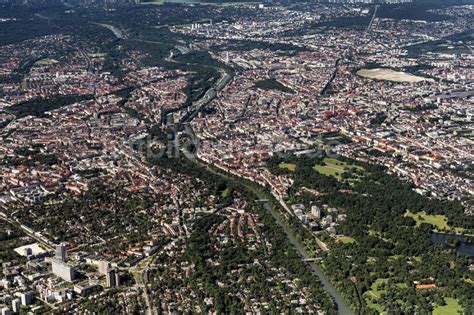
x=225, y=192
x=402, y=285
x=288, y=166
x=378, y=234
x=376, y=293
x=452, y=307
x=439, y=221
x=371, y=260
x=395, y=257
x=335, y=168
x=46, y=62
x=346, y=239
x=375, y=306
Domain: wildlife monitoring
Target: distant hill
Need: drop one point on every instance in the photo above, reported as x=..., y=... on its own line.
x=446, y=2
x=30, y=3
x=48, y=3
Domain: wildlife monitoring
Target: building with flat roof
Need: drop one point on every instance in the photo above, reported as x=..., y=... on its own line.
x=62, y=270
x=86, y=289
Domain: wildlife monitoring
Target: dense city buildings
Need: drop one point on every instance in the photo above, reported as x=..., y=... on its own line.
x=232, y=157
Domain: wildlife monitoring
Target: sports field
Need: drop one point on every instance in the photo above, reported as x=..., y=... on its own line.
x=390, y=75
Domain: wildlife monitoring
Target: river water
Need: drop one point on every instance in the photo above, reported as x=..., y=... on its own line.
x=464, y=247
x=343, y=308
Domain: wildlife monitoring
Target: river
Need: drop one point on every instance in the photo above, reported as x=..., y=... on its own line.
x=343, y=308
